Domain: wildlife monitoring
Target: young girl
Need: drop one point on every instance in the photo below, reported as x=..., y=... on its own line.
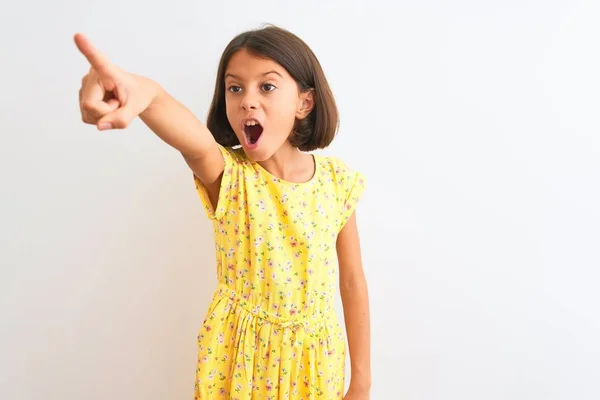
x=283, y=218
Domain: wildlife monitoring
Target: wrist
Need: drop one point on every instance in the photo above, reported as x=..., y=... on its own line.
x=360, y=385
x=155, y=94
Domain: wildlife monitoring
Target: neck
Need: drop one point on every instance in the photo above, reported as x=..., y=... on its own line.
x=289, y=164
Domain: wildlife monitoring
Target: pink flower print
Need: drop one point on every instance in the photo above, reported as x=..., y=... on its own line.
x=231, y=267
x=310, y=271
x=261, y=273
x=273, y=276
x=269, y=385
x=270, y=263
x=230, y=253
x=288, y=280
x=293, y=241
x=221, y=338
x=258, y=240
x=212, y=374
x=222, y=391
x=208, y=328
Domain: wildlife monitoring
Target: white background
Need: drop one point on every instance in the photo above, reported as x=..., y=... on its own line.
x=476, y=123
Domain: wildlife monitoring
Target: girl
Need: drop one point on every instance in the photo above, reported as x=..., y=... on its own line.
x=283, y=219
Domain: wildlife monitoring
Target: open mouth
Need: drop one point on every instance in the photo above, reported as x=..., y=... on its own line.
x=253, y=131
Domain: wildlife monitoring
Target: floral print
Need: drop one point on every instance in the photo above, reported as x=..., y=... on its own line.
x=271, y=331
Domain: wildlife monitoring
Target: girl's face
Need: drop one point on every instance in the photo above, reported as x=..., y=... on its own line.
x=262, y=103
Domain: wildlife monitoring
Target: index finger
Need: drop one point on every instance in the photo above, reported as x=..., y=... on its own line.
x=96, y=59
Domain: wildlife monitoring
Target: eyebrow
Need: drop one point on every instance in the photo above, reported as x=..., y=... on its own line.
x=228, y=75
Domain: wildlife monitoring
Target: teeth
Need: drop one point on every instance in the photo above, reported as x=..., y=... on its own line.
x=251, y=123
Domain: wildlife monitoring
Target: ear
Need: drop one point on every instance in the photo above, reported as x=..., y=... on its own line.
x=306, y=104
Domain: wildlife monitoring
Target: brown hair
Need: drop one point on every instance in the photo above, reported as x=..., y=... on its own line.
x=318, y=129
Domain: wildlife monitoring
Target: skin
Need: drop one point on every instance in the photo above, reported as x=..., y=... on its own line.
x=111, y=98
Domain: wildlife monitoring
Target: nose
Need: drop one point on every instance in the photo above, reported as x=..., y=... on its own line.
x=250, y=101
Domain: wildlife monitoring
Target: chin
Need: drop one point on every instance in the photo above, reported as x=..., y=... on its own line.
x=257, y=153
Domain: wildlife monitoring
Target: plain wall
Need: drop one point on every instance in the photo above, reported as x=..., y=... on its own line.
x=476, y=123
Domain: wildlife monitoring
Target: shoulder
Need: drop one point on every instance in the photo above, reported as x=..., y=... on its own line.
x=236, y=161
x=347, y=185
x=234, y=154
x=337, y=168
x=340, y=174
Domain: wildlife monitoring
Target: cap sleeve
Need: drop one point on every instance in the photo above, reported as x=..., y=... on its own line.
x=229, y=183
x=352, y=185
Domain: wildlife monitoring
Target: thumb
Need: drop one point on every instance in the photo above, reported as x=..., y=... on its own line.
x=118, y=119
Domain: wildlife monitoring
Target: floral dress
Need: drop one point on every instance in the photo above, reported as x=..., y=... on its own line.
x=271, y=331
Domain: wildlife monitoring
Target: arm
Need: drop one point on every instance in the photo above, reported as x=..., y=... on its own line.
x=355, y=299
x=178, y=127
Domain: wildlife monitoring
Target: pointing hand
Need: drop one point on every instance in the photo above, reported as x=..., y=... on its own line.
x=110, y=98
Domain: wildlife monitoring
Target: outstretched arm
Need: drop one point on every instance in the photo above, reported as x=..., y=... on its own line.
x=111, y=98
x=355, y=299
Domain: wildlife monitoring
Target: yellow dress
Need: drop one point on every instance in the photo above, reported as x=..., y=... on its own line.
x=271, y=331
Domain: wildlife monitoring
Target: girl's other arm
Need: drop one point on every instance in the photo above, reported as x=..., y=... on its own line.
x=355, y=299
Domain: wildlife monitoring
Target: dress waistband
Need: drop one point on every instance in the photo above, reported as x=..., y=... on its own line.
x=302, y=321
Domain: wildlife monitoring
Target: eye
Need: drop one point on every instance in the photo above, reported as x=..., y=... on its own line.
x=234, y=89
x=267, y=87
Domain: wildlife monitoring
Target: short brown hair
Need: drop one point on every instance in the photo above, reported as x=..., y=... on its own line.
x=318, y=129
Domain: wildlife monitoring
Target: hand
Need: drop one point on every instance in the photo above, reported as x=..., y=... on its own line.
x=356, y=394
x=110, y=97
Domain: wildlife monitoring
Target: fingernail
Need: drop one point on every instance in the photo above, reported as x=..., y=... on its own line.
x=105, y=125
